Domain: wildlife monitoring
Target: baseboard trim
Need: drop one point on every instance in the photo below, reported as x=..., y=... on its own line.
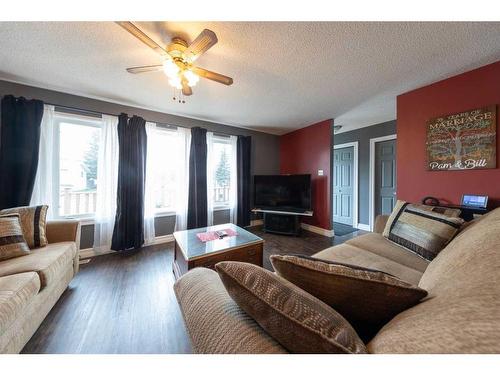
x=363, y=227
x=317, y=230
x=91, y=252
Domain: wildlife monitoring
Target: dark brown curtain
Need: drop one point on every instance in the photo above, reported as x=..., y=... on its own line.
x=197, y=201
x=243, y=152
x=128, y=232
x=19, y=144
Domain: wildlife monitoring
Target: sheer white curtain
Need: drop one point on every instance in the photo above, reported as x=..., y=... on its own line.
x=149, y=190
x=107, y=183
x=167, y=176
x=43, y=189
x=181, y=206
x=233, y=183
x=211, y=162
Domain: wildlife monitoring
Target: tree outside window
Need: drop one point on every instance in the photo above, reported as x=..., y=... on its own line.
x=223, y=172
x=90, y=161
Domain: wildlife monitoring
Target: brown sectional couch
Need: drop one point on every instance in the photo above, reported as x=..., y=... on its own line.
x=30, y=285
x=460, y=315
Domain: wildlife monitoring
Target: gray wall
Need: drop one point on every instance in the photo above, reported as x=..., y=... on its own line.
x=265, y=147
x=363, y=136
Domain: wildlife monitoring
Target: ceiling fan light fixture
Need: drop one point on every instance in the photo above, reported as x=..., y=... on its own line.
x=170, y=68
x=191, y=77
x=178, y=58
x=175, y=82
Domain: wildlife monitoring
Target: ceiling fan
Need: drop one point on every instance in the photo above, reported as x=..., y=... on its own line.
x=178, y=58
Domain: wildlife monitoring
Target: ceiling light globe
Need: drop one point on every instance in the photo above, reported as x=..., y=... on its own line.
x=170, y=68
x=191, y=77
x=175, y=82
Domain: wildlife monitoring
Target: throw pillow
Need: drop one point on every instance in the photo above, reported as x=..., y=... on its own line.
x=420, y=230
x=450, y=212
x=12, y=243
x=367, y=298
x=33, y=222
x=294, y=318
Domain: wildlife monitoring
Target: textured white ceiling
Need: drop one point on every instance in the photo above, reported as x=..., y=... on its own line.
x=287, y=75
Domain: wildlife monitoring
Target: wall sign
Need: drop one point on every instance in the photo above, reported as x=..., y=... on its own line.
x=465, y=140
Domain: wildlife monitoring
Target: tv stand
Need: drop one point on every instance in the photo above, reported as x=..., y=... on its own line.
x=282, y=222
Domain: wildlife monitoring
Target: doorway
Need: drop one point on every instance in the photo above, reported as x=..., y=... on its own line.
x=345, y=187
x=383, y=181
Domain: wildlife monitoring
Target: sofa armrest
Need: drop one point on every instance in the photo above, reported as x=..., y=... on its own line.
x=215, y=323
x=63, y=230
x=380, y=222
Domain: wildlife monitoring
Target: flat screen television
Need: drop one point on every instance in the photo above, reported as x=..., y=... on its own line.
x=291, y=193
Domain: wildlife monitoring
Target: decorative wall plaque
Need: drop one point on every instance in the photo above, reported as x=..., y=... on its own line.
x=465, y=140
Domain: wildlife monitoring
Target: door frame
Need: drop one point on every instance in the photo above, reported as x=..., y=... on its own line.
x=371, y=180
x=355, y=180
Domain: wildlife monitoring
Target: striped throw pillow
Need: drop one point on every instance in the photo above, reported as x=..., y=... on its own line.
x=423, y=231
x=33, y=222
x=450, y=212
x=12, y=243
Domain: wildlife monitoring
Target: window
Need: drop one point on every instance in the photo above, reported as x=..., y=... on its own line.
x=221, y=170
x=77, y=141
x=166, y=167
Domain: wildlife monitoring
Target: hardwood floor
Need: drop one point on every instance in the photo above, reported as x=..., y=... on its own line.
x=126, y=304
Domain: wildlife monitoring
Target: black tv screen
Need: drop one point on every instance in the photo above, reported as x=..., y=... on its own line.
x=283, y=192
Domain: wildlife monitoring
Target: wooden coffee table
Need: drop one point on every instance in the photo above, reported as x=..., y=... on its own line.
x=191, y=252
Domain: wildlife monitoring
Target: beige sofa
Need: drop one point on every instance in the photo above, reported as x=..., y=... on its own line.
x=460, y=315
x=31, y=285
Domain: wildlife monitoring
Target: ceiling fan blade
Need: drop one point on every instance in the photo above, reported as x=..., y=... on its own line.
x=186, y=89
x=201, y=44
x=139, y=34
x=144, y=69
x=213, y=76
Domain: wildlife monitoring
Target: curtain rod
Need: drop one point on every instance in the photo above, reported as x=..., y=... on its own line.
x=97, y=114
x=74, y=110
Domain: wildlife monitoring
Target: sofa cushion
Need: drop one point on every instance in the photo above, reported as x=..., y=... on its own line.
x=216, y=324
x=49, y=262
x=378, y=244
x=16, y=292
x=12, y=243
x=294, y=318
x=468, y=260
x=420, y=230
x=346, y=253
x=33, y=221
x=366, y=298
x=461, y=314
x=468, y=324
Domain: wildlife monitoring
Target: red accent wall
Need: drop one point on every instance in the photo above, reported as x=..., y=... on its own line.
x=304, y=151
x=474, y=89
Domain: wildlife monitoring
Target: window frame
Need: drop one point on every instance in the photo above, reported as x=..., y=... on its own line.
x=224, y=139
x=76, y=119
